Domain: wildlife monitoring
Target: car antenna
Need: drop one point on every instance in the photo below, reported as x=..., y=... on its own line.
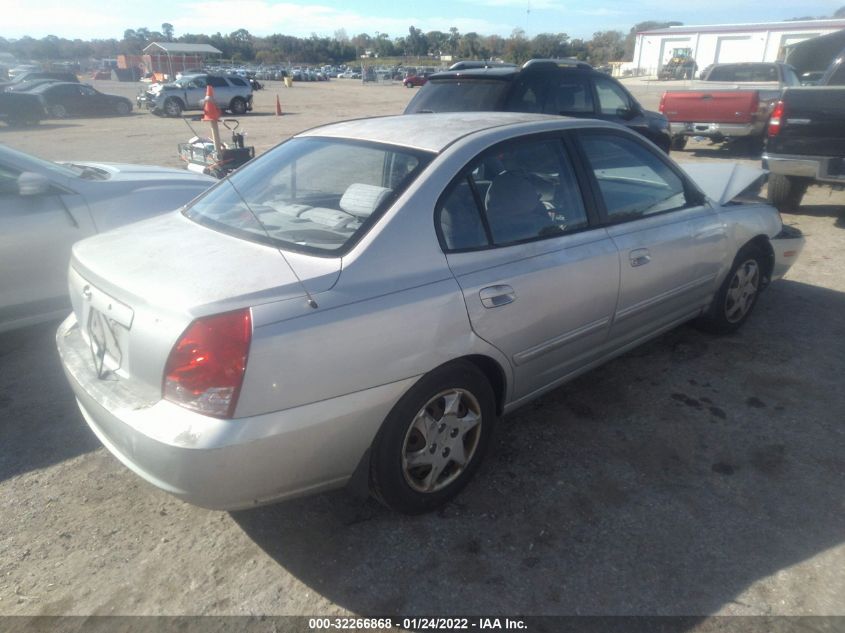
x=311, y=301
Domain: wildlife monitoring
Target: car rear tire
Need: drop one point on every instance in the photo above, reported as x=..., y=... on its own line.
x=58, y=111
x=738, y=294
x=237, y=106
x=433, y=440
x=786, y=192
x=173, y=107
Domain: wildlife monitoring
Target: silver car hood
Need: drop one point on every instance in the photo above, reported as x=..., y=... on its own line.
x=175, y=265
x=126, y=172
x=723, y=182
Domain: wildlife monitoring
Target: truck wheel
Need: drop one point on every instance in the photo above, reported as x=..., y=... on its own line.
x=679, y=143
x=785, y=192
x=173, y=107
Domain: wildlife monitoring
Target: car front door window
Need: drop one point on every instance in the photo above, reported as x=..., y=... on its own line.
x=634, y=182
x=613, y=99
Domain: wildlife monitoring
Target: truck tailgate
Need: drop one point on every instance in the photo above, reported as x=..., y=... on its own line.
x=813, y=122
x=724, y=106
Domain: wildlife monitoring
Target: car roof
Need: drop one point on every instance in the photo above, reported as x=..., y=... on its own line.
x=434, y=132
x=46, y=87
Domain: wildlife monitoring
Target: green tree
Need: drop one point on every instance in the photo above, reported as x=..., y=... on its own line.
x=517, y=47
x=167, y=31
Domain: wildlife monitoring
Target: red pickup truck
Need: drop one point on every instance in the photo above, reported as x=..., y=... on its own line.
x=731, y=102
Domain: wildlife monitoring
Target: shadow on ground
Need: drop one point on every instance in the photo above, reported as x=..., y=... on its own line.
x=40, y=424
x=665, y=482
x=820, y=211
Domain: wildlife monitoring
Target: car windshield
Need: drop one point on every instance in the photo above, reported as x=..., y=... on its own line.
x=312, y=195
x=27, y=162
x=459, y=96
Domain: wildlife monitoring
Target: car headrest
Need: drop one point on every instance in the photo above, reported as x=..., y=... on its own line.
x=361, y=200
x=510, y=195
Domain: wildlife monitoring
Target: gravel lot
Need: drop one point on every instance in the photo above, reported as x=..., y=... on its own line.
x=696, y=475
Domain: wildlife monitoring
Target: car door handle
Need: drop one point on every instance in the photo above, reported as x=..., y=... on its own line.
x=640, y=257
x=495, y=296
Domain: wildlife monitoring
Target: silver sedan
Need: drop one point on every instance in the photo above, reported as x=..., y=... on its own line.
x=45, y=207
x=361, y=303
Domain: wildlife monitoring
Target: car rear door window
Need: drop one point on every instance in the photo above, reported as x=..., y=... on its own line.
x=633, y=180
x=217, y=82
x=518, y=192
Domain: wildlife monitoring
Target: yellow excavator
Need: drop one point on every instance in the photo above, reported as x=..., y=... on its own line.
x=681, y=65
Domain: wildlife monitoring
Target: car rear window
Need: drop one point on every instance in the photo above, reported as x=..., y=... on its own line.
x=312, y=195
x=744, y=72
x=464, y=95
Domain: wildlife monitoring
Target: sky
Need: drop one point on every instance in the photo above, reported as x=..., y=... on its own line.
x=101, y=19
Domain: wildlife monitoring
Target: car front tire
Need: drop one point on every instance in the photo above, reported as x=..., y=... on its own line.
x=173, y=107
x=122, y=108
x=738, y=294
x=434, y=439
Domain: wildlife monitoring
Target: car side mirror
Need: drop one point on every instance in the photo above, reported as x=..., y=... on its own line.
x=33, y=184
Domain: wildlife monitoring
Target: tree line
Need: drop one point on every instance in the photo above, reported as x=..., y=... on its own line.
x=242, y=46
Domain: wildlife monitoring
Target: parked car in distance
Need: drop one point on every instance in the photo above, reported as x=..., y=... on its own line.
x=563, y=87
x=45, y=207
x=361, y=303
x=24, y=86
x=39, y=74
x=806, y=138
x=63, y=100
x=415, y=81
x=732, y=102
x=231, y=92
x=21, y=108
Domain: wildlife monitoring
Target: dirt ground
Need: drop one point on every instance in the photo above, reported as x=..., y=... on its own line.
x=696, y=475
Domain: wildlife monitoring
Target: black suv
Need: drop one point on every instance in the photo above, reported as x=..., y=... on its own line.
x=549, y=86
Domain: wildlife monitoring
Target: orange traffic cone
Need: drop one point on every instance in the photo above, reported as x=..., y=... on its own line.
x=278, y=107
x=210, y=111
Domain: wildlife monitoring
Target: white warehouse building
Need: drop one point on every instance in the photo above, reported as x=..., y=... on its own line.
x=720, y=43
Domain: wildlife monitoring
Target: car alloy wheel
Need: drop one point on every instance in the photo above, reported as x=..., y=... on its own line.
x=742, y=291
x=738, y=293
x=441, y=440
x=172, y=107
x=123, y=108
x=58, y=111
x=434, y=439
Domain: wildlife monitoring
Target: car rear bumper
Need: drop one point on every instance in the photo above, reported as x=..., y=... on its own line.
x=716, y=130
x=787, y=246
x=226, y=464
x=820, y=168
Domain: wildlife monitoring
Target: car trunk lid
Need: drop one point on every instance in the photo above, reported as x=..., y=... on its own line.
x=136, y=289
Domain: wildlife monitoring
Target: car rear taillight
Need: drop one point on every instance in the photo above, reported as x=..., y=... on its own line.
x=205, y=369
x=777, y=118
x=662, y=107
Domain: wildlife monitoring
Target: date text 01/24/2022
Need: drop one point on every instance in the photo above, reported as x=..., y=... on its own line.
x=417, y=624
